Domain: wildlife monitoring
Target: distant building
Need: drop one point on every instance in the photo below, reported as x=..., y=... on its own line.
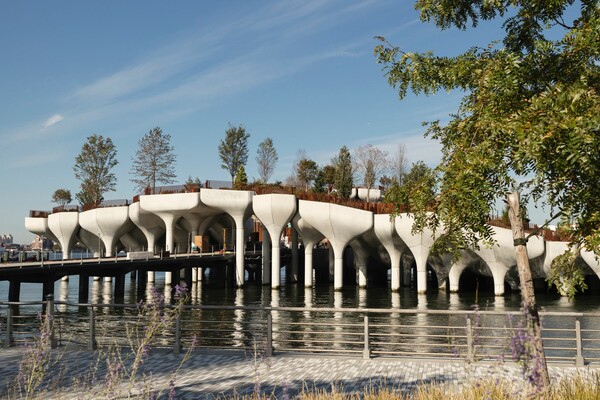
x=40, y=242
x=6, y=239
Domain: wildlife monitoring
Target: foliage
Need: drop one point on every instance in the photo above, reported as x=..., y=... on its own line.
x=529, y=119
x=192, y=185
x=566, y=275
x=266, y=158
x=306, y=171
x=62, y=197
x=93, y=167
x=154, y=160
x=343, y=180
x=233, y=149
x=417, y=191
x=241, y=179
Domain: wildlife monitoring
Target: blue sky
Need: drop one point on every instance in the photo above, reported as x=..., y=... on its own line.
x=300, y=72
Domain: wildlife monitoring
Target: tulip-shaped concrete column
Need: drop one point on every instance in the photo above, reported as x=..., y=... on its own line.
x=385, y=230
x=457, y=268
x=238, y=204
x=151, y=225
x=502, y=256
x=591, y=259
x=361, y=257
x=40, y=227
x=340, y=225
x=419, y=245
x=274, y=211
x=170, y=207
x=310, y=237
x=106, y=223
x=64, y=226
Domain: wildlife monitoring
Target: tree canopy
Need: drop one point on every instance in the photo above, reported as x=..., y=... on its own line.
x=154, y=160
x=529, y=120
x=343, y=179
x=266, y=158
x=233, y=149
x=61, y=197
x=93, y=168
x=528, y=123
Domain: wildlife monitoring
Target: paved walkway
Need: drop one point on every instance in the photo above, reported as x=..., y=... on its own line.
x=210, y=375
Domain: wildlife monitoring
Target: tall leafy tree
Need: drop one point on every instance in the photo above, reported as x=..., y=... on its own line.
x=154, y=160
x=62, y=197
x=233, y=149
x=370, y=163
x=416, y=192
x=344, y=179
x=93, y=167
x=266, y=158
x=527, y=126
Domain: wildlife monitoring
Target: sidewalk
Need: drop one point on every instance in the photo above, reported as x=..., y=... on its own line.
x=210, y=375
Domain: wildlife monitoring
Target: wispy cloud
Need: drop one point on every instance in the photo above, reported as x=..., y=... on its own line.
x=53, y=120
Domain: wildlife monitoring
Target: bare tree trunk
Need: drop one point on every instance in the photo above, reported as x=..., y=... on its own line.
x=527, y=292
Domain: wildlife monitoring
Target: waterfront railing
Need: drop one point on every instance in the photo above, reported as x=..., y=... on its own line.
x=569, y=337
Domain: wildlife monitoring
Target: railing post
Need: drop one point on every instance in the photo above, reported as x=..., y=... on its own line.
x=92, y=325
x=269, y=344
x=367, y=349
x=50, y=320
x=579, y=360
x=469, y=332
x=177, y=344
x=9, y=326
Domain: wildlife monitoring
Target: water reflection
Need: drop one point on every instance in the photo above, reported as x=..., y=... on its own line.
x=238, y=320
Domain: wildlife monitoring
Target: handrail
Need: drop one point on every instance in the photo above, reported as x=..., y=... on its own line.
x=465, y=333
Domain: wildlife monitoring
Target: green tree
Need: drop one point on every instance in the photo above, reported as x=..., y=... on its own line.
x=154, y=160
x=527, y=124
x=62, y=197
x=233, y=149
x=93, y=167
x=306, y=172
x=241, y=179
x=266, y=158
x=192, y=185
x=416, y=192
x=328, y=177
x=343, y=180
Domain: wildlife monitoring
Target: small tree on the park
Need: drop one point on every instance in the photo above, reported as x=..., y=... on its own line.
x=527, y=125
x=93, y=168
x=343, y=180
x=192, y=185
x=266, y=158
x=233, y=149
x=241, y=179
x=306, y=171
x=370, y=163
x=154, y=160
x=62, y=197
x=417, y=190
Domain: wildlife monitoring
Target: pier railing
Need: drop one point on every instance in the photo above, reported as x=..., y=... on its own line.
x=469, y=335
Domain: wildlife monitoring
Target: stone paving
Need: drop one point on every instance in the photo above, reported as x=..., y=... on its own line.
x=211, y=375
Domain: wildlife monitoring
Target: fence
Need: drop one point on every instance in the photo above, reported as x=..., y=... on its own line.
x=470, y=335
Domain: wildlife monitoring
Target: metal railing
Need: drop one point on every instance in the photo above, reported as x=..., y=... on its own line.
x=470, y=335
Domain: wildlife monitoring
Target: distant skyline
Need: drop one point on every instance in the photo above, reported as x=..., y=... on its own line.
x=300, y=72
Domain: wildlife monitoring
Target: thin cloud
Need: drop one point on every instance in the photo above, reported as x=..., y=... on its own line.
x=53, y=120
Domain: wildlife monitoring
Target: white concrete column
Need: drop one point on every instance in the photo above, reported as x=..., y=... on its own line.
x=338, y=270
x=454, y=276
x=240, y=249
x=308, y=264
x=151, y=277
x=294, y=256
x=498, y=272
x=385, y=230
x=266, y=257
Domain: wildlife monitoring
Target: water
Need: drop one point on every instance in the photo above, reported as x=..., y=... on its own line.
x=320, y=295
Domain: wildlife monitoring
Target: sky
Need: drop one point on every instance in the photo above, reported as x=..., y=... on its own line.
x=300, y=72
